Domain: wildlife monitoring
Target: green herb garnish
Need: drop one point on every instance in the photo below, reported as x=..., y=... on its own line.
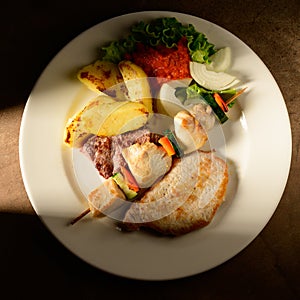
x=161, y=31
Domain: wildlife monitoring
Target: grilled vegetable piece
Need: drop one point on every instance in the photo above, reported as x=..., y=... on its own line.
x=220, y=102
x=216, y=108
x=167, y=145
x=170, y=135
x=136, y=82
x=104, y=116
x=129, y=179
x=119, y=179
x=103, y=76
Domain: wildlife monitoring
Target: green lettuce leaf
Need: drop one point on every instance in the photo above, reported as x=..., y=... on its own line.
x=160, y=31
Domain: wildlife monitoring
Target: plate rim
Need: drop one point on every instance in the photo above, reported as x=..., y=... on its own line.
x=22, y=141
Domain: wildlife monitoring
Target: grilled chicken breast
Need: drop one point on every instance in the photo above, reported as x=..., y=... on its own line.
x=105, y=197
x=204, y=114
x=186, y=199
x=147, y=162
x=189, y=132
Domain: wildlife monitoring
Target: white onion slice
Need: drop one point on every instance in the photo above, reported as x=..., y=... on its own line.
x=211, y=80
x=220, y=61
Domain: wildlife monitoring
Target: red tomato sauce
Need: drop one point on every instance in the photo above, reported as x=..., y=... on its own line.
x=165, y=63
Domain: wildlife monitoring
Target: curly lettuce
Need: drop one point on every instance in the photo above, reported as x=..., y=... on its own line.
x=161, y=31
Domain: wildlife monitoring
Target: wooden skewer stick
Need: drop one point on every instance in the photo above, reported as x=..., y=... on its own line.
x=80, y=216
x=235, y=96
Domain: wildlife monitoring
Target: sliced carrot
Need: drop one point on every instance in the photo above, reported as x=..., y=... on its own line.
x=130, y=180
x=167, y=145
x=221, y=102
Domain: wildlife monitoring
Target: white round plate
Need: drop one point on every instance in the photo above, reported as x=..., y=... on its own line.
x=259, y=164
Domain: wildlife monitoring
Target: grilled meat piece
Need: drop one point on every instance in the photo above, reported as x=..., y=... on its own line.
x=105, y=198
x=98, y=148
x=106, y=151
x=189, y=132
x=204, y=114
x=124, y=140
x=147, y=162
x=186, y=199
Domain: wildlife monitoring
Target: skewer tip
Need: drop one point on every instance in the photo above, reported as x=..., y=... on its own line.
x=84, y=213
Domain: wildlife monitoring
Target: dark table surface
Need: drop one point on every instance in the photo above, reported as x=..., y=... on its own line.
x=33, y=263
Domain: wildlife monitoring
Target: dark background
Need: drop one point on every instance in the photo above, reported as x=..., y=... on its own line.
x=33, y=263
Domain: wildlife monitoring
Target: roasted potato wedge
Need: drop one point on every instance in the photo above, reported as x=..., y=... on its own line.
x=136, y=82
x=104, y=116
x=103, y=76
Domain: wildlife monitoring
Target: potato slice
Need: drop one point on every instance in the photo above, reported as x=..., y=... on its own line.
x=126, y=117
x=103, y=76
x=104, y=116
x=136, y=82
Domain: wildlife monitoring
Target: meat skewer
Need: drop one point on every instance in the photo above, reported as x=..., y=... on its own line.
x=149, y=163
x=108, y=195
x=84, y=213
